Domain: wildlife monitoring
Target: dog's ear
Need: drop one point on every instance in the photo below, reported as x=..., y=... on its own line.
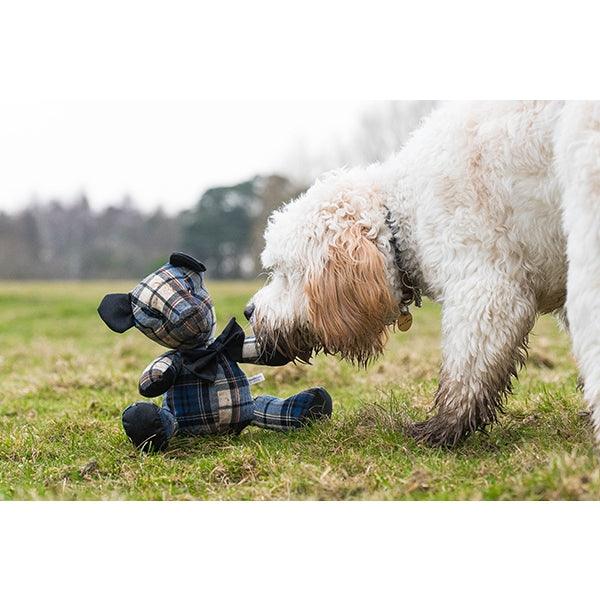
x=115, y=311
x=349, y=301
x=179, y=259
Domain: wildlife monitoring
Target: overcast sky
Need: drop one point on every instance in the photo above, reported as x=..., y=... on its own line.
x=158, y=152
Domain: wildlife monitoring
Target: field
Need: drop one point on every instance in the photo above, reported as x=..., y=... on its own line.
x=66, y=378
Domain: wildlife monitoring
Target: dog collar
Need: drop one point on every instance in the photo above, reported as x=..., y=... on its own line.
x=410, y=291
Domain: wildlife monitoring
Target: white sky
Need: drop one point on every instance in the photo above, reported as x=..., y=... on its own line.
x=158, y=152
x=170, y=152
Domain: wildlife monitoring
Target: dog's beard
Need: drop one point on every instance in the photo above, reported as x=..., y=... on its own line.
x=292, y=341
x=299, y=342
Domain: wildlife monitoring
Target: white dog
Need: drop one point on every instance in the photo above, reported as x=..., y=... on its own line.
x=492, y=209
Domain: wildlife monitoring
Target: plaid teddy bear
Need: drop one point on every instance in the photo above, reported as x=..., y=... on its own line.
x=205, y=391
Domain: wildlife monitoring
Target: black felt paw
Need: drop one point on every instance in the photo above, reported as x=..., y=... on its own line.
x=144, y=427
x=322, y=406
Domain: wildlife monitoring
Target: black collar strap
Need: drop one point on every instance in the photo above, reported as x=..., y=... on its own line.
x=410, y=292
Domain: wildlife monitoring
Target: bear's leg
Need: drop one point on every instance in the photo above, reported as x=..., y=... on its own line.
x=294, y=412
x=148, y=426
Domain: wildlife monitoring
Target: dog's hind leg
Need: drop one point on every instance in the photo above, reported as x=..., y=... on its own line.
x=578, y=161
x=485, y=323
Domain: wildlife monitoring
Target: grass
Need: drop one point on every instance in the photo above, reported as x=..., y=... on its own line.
x=66, y=378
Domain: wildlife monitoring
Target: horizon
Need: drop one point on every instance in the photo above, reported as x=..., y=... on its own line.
x=127, y=199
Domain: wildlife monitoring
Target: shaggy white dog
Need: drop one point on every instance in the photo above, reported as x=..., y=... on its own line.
x=492, y=209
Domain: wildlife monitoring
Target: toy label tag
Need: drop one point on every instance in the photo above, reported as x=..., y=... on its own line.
x=256, y=379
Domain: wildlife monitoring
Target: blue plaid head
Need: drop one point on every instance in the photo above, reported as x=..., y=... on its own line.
x=170, y=306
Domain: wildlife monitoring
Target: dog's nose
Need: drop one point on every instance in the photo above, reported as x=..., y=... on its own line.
x=248, y=311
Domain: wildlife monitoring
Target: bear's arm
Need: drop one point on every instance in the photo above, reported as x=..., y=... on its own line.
x=251, y=352
x=160, y=374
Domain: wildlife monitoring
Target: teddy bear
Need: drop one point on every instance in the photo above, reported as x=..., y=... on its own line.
x=204, y=390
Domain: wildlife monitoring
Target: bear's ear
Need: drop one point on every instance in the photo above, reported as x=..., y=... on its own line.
x=115, y=311
x=179, y=259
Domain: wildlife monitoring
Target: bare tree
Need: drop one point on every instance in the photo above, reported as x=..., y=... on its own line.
x=380, y=131
x=384, y=129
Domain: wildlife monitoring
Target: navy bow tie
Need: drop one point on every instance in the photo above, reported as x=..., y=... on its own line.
x=203, y=361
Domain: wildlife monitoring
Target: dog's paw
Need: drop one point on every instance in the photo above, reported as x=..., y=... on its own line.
x=438, y=432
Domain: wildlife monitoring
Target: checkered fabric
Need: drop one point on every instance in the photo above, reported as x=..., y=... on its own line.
x=172, y=307
x=227, y=406
x=162, y=369
x=253, y=353
x=201, y=407
x=294, y=412
x=251, y=350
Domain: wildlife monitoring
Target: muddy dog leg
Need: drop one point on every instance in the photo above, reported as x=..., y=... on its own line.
x=578, y=160
x=484, y=331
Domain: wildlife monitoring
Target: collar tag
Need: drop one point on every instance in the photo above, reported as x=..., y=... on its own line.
x=404, y=321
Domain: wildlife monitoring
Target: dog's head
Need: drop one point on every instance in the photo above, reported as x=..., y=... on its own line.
x=330, y=273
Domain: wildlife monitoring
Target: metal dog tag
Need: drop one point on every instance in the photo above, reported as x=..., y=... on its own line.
x=404, y=321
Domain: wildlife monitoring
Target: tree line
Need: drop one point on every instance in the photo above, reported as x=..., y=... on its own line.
x=58, y=240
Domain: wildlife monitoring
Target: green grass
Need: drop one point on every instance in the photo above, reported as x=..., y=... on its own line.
x=66, y=378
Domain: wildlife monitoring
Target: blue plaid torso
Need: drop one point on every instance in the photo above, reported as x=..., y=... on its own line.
x=201, y=407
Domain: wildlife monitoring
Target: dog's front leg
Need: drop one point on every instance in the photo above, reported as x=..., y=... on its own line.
x=485, y=324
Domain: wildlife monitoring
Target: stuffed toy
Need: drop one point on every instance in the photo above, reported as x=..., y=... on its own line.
x=205, y=391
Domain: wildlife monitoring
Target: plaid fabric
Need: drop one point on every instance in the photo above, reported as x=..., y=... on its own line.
x=296, y=411
x=201, y=407
x=250, y=350
x=172, y=307
x=227, y=406
x=252, y=353
x=165, y=367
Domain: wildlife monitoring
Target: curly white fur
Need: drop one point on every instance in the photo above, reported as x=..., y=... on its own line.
x=499, y=204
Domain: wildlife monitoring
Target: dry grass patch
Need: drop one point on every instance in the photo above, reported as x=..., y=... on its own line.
x=66, y=379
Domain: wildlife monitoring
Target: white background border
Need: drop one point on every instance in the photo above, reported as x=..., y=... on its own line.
x=299, y=550
x=75, y=50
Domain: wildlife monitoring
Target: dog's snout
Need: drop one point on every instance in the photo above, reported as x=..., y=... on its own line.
x=249, y=311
